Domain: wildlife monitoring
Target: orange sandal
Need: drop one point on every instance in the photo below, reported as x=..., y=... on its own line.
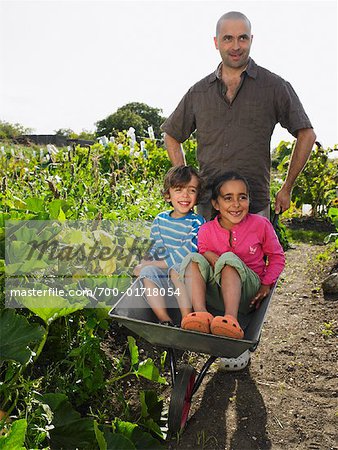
x=226, y=326
x=197, y=321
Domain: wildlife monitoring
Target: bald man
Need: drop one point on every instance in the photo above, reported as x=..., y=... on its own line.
x=234, y=111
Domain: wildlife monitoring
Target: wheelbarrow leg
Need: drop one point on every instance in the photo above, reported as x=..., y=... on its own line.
x=185, y=385
x=172, y=360
x=202, y=373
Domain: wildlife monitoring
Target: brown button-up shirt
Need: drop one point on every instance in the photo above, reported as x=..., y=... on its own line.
x=237, y=135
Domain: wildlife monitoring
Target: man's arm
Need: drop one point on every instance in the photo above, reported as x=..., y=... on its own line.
x=175, y=150
x=305, y=140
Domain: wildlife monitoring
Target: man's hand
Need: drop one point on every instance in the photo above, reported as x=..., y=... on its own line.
x=305, y=140
x=283, y=200
x=263, y=292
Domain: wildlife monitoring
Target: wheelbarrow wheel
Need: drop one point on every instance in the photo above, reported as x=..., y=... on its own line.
x=181, y=399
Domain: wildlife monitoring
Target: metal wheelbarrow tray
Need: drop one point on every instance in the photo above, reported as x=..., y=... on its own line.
x=133, y=312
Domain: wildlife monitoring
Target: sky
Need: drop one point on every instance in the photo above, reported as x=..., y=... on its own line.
x=69, y=64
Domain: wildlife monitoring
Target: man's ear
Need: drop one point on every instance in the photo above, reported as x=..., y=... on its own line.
x=216, y=42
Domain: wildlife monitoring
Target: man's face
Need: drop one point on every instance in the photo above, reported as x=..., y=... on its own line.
x=233, y=42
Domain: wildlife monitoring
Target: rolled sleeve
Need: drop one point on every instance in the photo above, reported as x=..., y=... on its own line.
x=290, y=111
x=181, y=123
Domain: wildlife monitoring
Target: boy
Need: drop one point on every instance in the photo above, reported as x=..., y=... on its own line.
x=174, y=233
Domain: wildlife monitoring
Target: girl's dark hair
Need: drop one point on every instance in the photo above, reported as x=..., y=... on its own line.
x=227, y=176
x=179, y=176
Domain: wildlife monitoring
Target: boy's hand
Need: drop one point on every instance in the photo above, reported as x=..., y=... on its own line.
x=139, y=267
x=137, y=270
x=263, y=292
x=148, y=262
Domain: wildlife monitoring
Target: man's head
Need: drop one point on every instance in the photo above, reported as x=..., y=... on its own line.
x=233, y=39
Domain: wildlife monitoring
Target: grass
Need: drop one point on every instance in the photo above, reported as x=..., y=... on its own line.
x=306, y=236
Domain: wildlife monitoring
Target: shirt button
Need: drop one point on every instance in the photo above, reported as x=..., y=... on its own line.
x=235, y=239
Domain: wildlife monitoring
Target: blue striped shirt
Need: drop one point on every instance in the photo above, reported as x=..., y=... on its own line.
x=174, y=238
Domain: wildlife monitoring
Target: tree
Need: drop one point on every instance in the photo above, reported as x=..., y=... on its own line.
x=70, y=134
x=65, y=132
x=11, y=131
x=137, y=115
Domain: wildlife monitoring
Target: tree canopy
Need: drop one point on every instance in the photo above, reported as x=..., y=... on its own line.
x=137, y=115
x=10, y=130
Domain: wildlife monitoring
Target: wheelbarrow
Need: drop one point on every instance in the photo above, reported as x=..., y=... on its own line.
x=134, y=313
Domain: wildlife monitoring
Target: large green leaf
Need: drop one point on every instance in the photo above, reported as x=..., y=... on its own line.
x=70, y=430
x=34, y=204
x=100, y=437
x=16, y=436
x=141, y=439
x=16, y=334
x=116, y=441
x=148, y=370
x=48, y=306
x=133, y=350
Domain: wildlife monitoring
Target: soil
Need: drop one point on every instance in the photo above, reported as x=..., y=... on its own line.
x=286, y=399
x=310, y=223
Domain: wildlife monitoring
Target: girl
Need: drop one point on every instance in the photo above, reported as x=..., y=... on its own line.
x=239, y=252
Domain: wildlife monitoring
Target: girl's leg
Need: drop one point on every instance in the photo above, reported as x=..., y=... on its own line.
x=156, y=301
x=183, y=299
x=231, y=290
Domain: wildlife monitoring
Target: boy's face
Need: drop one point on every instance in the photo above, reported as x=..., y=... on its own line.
x=183, y=198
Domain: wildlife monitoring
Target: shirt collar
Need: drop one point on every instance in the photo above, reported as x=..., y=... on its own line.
x=251, y=71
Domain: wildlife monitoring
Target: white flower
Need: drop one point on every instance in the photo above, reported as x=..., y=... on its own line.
x=52, y=150
x=151, y=132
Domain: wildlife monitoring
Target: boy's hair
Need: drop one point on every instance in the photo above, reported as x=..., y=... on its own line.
x=179, y=176
x=226, y=176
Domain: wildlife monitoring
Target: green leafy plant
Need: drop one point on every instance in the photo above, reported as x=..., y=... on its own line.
x=317, y=182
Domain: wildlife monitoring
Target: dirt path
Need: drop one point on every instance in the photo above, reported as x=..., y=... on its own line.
x=287, y=397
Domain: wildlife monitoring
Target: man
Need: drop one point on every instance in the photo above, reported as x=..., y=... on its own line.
x=234, y=111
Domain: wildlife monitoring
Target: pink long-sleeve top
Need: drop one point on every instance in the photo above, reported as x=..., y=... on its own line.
x=251, y=240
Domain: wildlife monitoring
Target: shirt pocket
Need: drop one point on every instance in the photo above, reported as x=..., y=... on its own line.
x=251, y=115
x=210, y=125
x=208, y=120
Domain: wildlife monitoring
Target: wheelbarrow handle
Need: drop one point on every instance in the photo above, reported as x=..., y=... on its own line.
x=275, y=220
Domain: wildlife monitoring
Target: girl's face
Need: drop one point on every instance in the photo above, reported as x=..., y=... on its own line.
x=183, y=198
x=232, y=203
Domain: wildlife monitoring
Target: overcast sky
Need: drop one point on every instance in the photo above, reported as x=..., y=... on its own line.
x=68, y=64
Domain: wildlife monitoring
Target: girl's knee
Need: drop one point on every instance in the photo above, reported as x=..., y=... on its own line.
x=226, y=268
